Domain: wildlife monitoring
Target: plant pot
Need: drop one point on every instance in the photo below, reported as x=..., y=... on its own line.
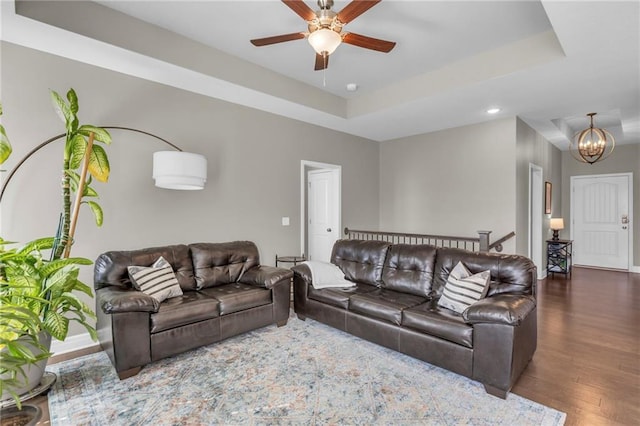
x=35, y=371
x=28, y=416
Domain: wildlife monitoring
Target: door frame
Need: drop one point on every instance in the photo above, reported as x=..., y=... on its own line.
x=629, y=176
x=535, y=246
x=305, y=167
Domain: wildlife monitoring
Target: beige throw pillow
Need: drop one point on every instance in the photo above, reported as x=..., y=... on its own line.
x=158, y=280
x=463, y=289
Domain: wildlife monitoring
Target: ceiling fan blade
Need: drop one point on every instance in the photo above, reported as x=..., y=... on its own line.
x=299, y=7
x=277, y=39
x=322, y=62
x=355, y=9
x=368, y=42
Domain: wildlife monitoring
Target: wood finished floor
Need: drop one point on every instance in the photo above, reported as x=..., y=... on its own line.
x=588, y=359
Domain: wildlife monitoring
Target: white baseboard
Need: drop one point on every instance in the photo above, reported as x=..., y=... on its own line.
x=72, y=343
x=635, y=269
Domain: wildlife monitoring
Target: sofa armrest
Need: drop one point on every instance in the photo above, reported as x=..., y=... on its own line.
x=117, y=300
x=265, y=276
x=303, y=271
x=509, y=309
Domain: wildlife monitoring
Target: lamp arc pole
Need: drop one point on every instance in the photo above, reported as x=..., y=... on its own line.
x=60, y=136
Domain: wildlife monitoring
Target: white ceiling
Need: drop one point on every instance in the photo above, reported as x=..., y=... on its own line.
x=548, y=62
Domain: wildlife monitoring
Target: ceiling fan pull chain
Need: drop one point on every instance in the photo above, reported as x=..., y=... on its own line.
x=324, y=70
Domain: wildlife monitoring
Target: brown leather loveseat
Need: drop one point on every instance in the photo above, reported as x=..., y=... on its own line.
x=394, y=304
x=225, y=292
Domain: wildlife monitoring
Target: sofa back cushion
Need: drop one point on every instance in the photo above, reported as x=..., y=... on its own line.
x=513, y=274
x=216, y=264
x=409, y=268
x=361, y=261
x=110, y=268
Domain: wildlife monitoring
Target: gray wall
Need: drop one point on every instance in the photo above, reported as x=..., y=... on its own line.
x=624, y=159
x=451, y=182
x=531, y=147
x=254, y=163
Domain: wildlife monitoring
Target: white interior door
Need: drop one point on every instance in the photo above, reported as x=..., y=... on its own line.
x=322, y=214
x=601, y=220
x=535, y=218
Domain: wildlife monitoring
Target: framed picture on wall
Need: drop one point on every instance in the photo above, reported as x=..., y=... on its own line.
x=547, y=197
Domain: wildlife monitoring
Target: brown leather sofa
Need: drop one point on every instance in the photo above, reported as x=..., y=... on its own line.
x=226, y=292
x=394, y=304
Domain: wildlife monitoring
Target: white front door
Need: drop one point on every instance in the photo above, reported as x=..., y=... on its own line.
x=322, y=213
x=601, y=220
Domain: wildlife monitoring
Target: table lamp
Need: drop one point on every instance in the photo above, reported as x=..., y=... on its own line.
x=556, y=223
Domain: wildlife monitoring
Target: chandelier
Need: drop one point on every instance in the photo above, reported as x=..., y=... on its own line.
x=593, y=144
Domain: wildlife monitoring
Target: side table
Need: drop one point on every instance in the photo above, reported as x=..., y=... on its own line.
x=290, y=259
x=559, y=256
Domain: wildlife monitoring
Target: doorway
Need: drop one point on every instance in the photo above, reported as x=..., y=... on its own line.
x=535, y=218
x=320, y=208
x=601, y=220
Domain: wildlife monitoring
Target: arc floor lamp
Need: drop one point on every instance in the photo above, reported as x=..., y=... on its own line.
x=171, y=169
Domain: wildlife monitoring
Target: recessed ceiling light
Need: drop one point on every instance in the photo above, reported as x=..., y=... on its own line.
x=352, y=87
x=493, y=110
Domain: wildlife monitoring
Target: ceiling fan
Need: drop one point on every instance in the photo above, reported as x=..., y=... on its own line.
x=325, y=29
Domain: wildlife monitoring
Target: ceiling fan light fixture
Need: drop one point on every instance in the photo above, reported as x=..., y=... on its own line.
x=324, y=41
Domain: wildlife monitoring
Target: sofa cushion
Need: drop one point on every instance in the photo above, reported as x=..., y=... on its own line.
x=190, y=308
x=111, y=267
x=408, y=268
x=384, y=304
x=238, y=297
x=361, y=261
x=463, y=289
x=216, y=264
x=443, y=323
x=338, y=296
x=157, y=280
x=513, y=273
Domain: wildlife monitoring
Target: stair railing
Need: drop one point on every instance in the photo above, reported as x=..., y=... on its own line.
x=481, y=243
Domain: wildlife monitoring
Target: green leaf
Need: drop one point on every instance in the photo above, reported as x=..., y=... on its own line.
x=74, y=179
x=5, y=145
x=60, y=278
x=77, y=149
x=80, y=286
x=73, y=100
x=37, y=245
x=89, y=192
x=99, y=134
x=61, y=107
x=20, y=350
x=57, y=325
x=58, y=264
x=97, y=212
x=99, y=164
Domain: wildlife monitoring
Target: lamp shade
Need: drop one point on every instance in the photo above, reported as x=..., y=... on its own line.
x=324, y=40
x=179, y=170
x=556, y=223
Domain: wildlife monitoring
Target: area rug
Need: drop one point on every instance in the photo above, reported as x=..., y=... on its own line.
x=305, y=373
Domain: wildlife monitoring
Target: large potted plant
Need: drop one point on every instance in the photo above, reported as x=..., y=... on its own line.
x=39, y=282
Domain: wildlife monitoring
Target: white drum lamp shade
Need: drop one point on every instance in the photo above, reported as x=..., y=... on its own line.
x=179, y=170
x=556, y=224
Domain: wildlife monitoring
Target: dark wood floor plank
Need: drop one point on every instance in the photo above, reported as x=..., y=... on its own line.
x=588, y=358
